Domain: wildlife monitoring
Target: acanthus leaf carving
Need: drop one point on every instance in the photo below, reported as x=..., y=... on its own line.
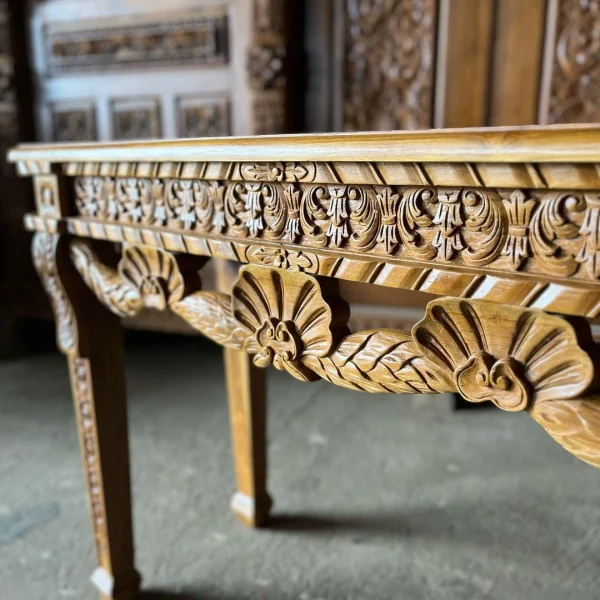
x=548, y=233
x=519, y=209
x=550, y=224
x=44, y=250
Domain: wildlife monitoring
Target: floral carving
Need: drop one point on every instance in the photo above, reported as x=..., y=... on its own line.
x=589, y=254
x=388, y=64
x=387, y=202
x=519, y=209
x=287, y=172
x=550, y=232
x=576, y=74
x=283, y=259
x=550, y=225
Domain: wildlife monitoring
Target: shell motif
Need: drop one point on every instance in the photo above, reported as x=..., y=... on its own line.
x=508, y=356
x=154, y=273
x=286, y=322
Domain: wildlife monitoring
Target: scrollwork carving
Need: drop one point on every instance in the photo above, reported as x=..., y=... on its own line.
x=510, y=230
x=44, y=249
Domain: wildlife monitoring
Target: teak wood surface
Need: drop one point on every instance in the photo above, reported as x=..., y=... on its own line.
x=503, y=225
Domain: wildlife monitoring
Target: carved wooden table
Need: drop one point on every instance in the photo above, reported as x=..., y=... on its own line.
x=503, y=224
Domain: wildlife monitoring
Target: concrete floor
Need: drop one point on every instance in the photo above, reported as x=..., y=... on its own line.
x=375, y=497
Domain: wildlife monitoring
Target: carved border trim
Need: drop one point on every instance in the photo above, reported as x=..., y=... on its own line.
x=571, y=298
x=499, y=175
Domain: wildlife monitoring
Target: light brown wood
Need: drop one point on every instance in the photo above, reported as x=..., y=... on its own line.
x=90, y=337
x=464, y=60
x=508, y=224
x=552, y=144
x=518, y=43
x=246, y=391
x=519, y=359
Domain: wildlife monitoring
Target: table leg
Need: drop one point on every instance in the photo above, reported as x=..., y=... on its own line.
x=247, y=414
x=246, y=390
x=91, y=338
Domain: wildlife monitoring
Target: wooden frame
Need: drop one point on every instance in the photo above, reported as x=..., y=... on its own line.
x=502, y=224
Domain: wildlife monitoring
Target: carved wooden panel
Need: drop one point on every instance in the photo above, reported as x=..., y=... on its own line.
x=89, y=46
x=388, y=64
x=135, y=118
x=74, y=121
x=572, y=72
x=203, y=117
x=266, y=67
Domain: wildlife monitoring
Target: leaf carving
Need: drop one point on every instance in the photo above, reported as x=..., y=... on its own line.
x=211, y=314
x=381, y=361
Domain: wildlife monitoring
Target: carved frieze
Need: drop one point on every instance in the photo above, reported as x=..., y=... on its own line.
x=388, y=64
x=189, y=39
x=509, y=230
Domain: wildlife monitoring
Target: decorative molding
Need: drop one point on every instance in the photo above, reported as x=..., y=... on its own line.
x=388, y=64
x=519, y=359
x=575, y=78
x=551, y=233
x=567, y=296
x=179, y=39
x=81, y=385
x=528, y=176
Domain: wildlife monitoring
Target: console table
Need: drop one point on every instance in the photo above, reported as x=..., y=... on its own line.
x=502, y=224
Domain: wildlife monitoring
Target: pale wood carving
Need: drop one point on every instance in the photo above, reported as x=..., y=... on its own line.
x=90, y=337
x=499, y=223
x=513, y=357
x=573, y=69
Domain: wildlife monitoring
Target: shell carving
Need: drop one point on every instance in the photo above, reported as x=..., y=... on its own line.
x=506, y=355
x=286, y=316
x=154, y=274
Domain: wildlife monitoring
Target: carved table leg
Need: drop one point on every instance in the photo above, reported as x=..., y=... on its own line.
x=247, y=414
x=246, y=389
x=91, y=338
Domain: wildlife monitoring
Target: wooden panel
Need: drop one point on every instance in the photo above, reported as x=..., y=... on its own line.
x=388, y=64
x=465, y=36
x=571, y=74
x=517, y=54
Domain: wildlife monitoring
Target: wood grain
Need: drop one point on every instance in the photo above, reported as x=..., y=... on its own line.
x=246, y=391
x=91, y=338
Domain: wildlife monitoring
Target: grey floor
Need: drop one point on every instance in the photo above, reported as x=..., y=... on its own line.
x=375, y=497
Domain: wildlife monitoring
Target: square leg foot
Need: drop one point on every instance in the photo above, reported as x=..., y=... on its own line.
x=253, y=512
x=126, y=589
